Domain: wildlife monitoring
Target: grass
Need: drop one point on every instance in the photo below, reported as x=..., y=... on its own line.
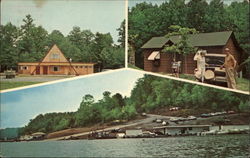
x=134, y=67
x=243, y=84
x=188, y=77
x=184, y=76
x=8, y=85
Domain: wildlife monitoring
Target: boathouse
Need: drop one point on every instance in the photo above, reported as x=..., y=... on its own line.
x=216, y=42
x=55, y=63
x=182, y=129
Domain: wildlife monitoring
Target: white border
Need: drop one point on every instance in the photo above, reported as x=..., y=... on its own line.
x=126, y=33
x=122, y=69
x=190, y=81
x=60, y=80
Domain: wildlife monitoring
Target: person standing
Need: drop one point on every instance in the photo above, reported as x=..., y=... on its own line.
x=230, y=65
x=197, y=58
x=175, y=68
x=202, y=65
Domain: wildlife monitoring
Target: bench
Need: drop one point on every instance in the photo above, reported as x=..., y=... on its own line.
x=10, y=74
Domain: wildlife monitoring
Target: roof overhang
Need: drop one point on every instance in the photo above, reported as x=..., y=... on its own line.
x=182, y=126
x=55, y=64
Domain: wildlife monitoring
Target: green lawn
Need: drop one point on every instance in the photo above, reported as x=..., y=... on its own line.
x=242, y=84
x=188, y=77
x=134, y=67
x=8, y=85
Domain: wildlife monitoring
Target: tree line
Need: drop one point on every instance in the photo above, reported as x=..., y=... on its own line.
x=109, y=108
x=150, y=93
x=29, y=43
x=147, y=20
x=153, y=92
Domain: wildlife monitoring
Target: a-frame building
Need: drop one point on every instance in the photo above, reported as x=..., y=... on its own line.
x=55, y=63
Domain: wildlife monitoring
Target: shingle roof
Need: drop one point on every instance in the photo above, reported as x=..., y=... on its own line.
x=196, y=40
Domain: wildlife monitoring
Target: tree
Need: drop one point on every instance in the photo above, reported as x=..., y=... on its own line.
x=244, y=106
x=215, y=18
x=32, y=41
x=84, y=114
x=102, y=41
x=9, y=36
x=118, y=100
x=141, y=92
x=81, y=39
x=178, y=11
x=121, y=33
x=143, y=22
x=112, y=57
x=195, y=14
x=182, y=46
x=55, y=37
x=87, y=100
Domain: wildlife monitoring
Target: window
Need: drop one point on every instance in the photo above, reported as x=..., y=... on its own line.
x=54, y=56
x=24, y=68
x=156, y=62
x=76, y=67
x=81, y=67
x=190, y=128
x=90, y=66
x=86, y=67
x=55, y=68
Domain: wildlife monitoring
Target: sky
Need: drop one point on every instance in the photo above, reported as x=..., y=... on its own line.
x=18, y=107
x=96, y=15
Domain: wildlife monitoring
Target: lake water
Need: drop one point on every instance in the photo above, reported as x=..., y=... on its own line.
x=191, y=146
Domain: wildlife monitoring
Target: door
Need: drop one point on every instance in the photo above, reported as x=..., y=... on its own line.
x=45, y=70
x=38, y=70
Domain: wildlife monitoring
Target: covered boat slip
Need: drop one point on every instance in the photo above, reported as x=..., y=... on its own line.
x=182, y=129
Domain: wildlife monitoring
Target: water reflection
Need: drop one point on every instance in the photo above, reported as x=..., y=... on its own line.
x=191, y=146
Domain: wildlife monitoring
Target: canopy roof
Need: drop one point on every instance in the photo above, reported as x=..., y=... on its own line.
x=154, y=55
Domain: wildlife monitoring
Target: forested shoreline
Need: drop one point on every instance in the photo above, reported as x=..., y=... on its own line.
x=147, y=20
x=29, y=43
x=149, y=93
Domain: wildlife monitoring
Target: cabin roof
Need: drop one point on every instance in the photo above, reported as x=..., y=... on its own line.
x=196, y=40
x=183, y=126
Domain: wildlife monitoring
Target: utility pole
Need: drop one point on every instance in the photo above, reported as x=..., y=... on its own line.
x=0, y=12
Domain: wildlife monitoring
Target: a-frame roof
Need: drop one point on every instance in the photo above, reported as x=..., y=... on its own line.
x=54, y=55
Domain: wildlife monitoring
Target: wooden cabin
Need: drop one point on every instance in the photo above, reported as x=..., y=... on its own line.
x=216, y=42
x=55, y=63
